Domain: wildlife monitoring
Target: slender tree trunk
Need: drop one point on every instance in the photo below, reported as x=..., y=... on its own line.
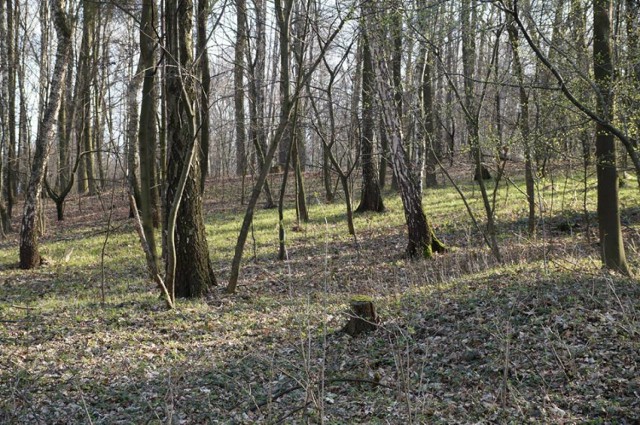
x=431, y=142
x=84, y=134
x=13, y=163
x=473, y=113
x=371, y=197
x=421, y=240
x=29, y=253
x=205, y=78
x=5, y=225
x=147, y=130
x=611, y=243
x=256, y=96
x=131, y=147
x=238, y=81
x=523, y=126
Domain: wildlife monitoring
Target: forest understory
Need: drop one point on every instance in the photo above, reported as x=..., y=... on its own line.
x=546, y=336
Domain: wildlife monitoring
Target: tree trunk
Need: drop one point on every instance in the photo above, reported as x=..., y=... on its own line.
x=10, y=69
x=238, y=81
x=5, y=224
x=205, y=79
x=147, y=130
x=131, y=147
x=84, y=134
x=421, y=242
x=371, y=197
x=256, y=96
x=611, y=243
x=29, y=254
x=523, y=127
x=283, y=20
x=431, y=143
x=193, y=275
x=473, y=113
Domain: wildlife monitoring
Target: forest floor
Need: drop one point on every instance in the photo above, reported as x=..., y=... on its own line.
x=546, y=336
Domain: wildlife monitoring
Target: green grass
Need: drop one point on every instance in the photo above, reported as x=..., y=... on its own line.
x=258, y=356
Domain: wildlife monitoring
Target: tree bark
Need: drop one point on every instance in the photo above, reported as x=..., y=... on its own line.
x=205, y=79
x=238, y=82
x=611, y=243
x=86, y=178
x=193, y=274
x=256, y=67
x=421, y=241
x=147, y=130
x=371, y=197
x=29, y=253
x=523, y=127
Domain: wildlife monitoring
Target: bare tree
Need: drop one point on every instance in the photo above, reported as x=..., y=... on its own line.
x=29, y=254
x=205, y=82
x=523, y=125
x=421, y=239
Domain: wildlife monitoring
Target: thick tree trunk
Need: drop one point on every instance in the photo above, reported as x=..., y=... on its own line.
x=29, y=254
x=193, y=275
x=611, y=243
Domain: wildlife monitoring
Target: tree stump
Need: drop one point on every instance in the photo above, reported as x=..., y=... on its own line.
x=363, y=316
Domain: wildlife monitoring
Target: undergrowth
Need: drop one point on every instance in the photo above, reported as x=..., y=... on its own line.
x=544, y=337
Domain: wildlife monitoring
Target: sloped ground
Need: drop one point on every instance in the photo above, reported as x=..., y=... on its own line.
x=546, y=337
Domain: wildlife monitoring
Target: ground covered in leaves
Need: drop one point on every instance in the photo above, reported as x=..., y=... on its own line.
x=543, y=337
